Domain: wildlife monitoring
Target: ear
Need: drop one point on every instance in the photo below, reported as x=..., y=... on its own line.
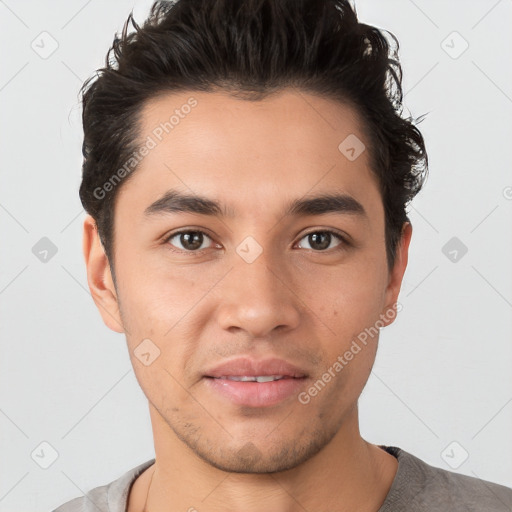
x=396, y=274
x=99, y=277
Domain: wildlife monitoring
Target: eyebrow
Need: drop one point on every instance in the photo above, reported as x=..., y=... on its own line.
x=174, y=201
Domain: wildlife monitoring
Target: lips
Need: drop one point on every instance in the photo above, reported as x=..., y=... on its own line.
x=255, y=383
x=245, y=367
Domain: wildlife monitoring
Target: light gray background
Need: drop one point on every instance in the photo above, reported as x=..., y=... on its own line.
x=442, y=384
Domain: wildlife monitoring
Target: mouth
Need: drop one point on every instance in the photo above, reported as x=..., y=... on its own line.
x=256, y=391
x=248, y=382
x=252, y=378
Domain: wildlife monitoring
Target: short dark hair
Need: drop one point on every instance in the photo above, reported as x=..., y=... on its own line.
x=250, y=49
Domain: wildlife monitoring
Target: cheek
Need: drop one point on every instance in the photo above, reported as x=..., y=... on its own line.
x=350, y=305
x=156, y=297
x=349, y=300
x=163, y=314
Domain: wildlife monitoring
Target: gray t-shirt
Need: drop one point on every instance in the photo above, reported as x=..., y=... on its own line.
x=417, y=487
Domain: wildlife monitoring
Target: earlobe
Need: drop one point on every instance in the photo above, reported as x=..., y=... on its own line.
x=99, y=277
x=397, y=273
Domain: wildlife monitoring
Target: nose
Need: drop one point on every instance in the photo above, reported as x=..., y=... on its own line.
x=259, y=299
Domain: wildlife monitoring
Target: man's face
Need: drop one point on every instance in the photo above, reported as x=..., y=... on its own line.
x=253, y=280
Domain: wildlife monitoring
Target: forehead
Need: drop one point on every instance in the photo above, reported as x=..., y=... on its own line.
x=216, y=118
x=252, y=152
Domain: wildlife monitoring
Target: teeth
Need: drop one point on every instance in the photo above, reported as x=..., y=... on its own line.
x=269, y=378
x=259, y=378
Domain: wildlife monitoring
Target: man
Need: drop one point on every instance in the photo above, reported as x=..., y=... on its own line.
x=246, y=173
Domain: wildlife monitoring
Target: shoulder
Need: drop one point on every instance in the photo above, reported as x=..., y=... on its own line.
x=423, y=487
x=111, y=497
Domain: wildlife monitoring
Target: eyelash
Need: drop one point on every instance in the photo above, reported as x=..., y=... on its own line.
x=344, y=243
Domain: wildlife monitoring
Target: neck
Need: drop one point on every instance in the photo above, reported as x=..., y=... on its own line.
x=347, y=474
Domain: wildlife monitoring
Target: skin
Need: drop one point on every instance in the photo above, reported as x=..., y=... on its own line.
x=293, y=302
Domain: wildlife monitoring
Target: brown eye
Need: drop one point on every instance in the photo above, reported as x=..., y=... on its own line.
x=189, y=240
x=321, y=240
